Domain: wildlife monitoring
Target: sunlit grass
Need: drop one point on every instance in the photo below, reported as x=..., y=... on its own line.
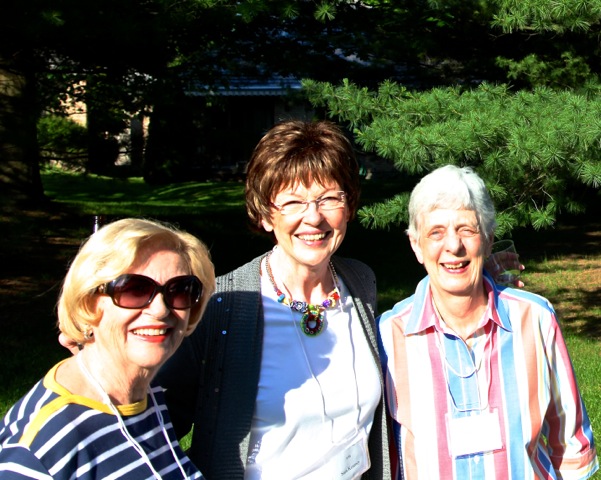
x=93, y=194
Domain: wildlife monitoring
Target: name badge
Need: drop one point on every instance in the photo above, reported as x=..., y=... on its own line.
x=346, y=461
x=474, y=434
x=352, y=462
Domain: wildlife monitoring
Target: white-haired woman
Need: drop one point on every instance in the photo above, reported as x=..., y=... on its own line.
x=479, y=382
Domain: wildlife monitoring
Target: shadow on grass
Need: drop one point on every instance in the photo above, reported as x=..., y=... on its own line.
x=35, y=250
x=588, y=321
x=568, y=258
x=574, y=237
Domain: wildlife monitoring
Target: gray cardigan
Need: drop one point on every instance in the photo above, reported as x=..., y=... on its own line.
x=212, y=380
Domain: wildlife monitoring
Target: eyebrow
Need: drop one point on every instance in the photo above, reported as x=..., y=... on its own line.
x=296, y=195
x=456, y=226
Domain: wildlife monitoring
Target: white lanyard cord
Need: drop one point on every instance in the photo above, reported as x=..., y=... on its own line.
x=164, y=430
x=123, y=428
x=308, y=363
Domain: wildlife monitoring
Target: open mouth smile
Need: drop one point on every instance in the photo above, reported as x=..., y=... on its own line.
x=150, y=332
x=314, y=237
x=455, y=266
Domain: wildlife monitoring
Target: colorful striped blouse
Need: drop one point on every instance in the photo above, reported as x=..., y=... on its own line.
x=503, y=405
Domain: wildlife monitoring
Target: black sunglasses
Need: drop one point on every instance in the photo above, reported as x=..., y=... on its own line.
x=137, y=291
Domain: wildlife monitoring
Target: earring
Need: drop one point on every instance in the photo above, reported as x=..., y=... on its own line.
x=88, y=333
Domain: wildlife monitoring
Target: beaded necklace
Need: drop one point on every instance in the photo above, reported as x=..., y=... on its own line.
x=313, y=317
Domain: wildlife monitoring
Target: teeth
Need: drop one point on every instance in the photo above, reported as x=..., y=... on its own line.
x=453, y=266
x=151, y=331
x=312, y=238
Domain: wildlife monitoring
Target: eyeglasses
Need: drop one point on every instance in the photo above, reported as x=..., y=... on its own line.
x=328, y=201
x=137, y=291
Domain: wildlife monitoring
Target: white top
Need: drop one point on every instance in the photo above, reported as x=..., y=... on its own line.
x=317, y=395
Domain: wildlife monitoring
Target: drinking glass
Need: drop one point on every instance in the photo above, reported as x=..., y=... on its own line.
x=504, y=263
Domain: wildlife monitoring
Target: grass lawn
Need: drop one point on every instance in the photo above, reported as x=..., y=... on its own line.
x=563, y=264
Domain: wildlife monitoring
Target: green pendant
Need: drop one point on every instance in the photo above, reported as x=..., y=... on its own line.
x=312, y=321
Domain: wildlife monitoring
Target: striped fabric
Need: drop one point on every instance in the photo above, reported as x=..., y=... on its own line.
x=516, y=366
x=51, y=434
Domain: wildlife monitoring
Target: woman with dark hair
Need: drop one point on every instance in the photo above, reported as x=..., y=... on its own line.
x=282, y=379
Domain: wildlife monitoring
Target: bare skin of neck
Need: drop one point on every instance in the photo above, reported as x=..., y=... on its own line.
x=70, y=376
x=461, y=314
x=311, y=285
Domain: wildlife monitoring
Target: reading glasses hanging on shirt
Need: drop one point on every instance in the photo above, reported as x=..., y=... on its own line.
x=467, y=376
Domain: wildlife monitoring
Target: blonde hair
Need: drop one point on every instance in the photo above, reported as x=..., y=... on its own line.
x=112, y=250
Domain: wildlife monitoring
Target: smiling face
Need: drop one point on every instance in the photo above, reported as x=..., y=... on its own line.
x=309, y=238
x=452, y=248
x=137, y=342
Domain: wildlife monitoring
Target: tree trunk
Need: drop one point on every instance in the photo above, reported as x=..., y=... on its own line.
x=20, y=179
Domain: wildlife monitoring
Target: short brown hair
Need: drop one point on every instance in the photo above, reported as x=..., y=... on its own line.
x=294, y=152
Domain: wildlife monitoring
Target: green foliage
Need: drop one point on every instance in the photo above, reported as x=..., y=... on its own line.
x=537, y=151
x=387, y=213
x=547, y=15
x=119, y=55
x=325, y=11
x=62, y=139
x=560, y=73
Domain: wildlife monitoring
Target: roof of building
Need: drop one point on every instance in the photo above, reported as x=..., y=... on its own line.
x=247, y=86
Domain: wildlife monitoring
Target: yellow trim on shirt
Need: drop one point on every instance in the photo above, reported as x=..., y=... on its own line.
x=65, y=398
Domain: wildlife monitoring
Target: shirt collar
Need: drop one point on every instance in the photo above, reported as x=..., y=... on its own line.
x=423, y=315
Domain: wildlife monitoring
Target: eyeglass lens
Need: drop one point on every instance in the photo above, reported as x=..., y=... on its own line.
x=328, y=201
x=138, y=291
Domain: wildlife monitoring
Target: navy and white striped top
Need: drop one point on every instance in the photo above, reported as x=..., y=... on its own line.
x=53, y=434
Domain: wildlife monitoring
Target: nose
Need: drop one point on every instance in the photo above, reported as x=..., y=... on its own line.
x=453, y=241
x=158, y=307
x=313, y=211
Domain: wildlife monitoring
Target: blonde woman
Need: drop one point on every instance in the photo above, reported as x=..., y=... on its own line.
x=133, y=292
